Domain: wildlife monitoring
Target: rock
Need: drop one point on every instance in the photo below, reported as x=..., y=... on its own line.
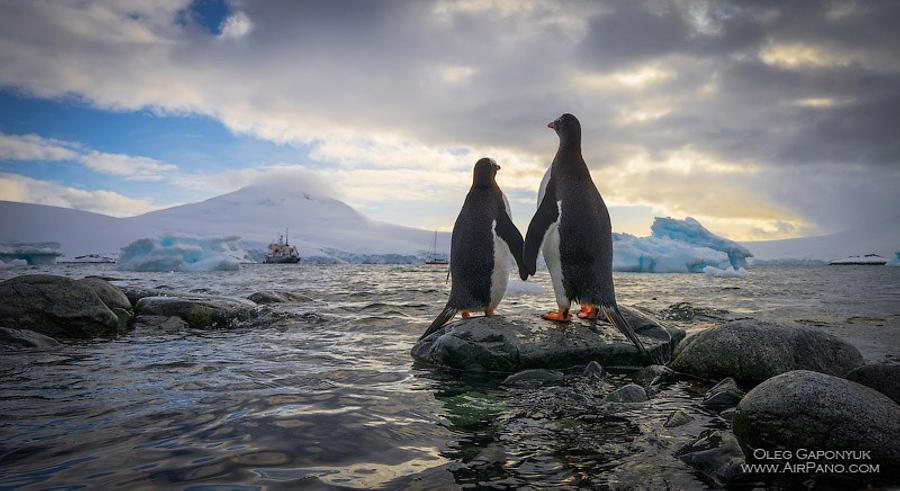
x=814, y=411
x=534, y=376
x=679, y=417
x=516, y=342
x=752, y=350
x=628, y=393
x=26, y=338
x=883, y=377
x=723, y=395
x=159, y=324
x=278, y=296
x=113, y=298
x=135, y=294
x=727, y=414
x=199, y=312
x=55, y=306
x=593, y=371
x=652, y=375
x=717, y=454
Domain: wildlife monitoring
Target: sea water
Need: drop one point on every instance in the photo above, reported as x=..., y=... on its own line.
x=327, y=395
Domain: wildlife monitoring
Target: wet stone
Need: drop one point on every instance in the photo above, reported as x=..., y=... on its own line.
x=593, y=371
x=534, y=376
x=278, y=296
x=628, y=393
x=679, y=417
x=717, y=454
x=723, y=395
x=25, y=338
x=652, y=375
x=883, y=377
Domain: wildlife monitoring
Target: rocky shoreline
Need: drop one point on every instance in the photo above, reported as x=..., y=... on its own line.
x=762, y=388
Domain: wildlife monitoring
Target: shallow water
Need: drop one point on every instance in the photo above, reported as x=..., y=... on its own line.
x=328, y=396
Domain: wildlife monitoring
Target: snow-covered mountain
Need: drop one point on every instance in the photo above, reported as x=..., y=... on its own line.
x=882, y=238
x=320, y=226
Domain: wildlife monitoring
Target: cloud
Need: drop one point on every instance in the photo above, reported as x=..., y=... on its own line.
x=38, y=148
x=14, y=187
x=389, y=96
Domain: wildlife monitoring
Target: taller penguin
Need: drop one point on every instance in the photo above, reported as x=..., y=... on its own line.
x=572, y=228
x=483, y=244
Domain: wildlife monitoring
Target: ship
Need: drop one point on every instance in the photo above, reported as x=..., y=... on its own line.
x=867, y=260
x=282, y=252
x=432, y=258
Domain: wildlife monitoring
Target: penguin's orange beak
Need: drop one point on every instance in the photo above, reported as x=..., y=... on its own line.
x=552, y=125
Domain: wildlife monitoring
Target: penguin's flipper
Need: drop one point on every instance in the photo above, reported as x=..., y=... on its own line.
x=508, y=232
x=442, y=318
x=546, y=215
x=615, y=317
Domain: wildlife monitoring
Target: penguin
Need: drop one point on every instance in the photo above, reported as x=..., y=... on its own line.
x=572, y=228
x=483, y=244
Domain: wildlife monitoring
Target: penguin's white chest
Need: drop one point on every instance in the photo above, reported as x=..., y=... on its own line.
x=550, y=249
x=502, y=263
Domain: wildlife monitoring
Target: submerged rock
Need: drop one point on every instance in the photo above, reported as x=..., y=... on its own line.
x=278, y=296
x=717, y=454
x=199, y=312
x=593, y=371
x=25, y=338
x=752, y=350
x=534, y=376
x=652, y=375
x=628, y=393
x=159, y=324
x=723, y=395
x=814, y=411
x=883, y=377
x=114, y=298
x=679, y=417
x=516, y=342
x=55, y=306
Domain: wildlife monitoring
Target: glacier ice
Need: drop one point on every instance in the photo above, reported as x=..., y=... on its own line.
x=182, y=253
x=692, y=232
x=33, y=253
x=677, y=246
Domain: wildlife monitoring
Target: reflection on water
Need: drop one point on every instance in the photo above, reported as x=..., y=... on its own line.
x=327, y=395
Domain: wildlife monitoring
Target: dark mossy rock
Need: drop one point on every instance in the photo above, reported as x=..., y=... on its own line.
x=55, y=306
x=114, y=298
x=814, y=411
x=517, y=342
x=200, y=312
x=25, y=338
x=278, y=296
x=752, y=350
x=883, y=377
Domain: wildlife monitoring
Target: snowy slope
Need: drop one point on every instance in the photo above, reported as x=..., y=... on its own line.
x=882, y=238
x=318, y=225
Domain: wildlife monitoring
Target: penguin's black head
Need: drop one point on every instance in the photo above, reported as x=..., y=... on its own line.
x=484, y=173
x=567, y=127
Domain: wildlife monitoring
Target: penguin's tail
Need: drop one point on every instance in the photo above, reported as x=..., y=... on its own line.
x=615, y=317
x=442, y=318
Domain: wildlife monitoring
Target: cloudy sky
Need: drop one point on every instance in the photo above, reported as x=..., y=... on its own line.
x=762, y=120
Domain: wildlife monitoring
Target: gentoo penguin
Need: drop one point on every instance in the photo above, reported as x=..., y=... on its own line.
x=572, y=228
x=483, y=243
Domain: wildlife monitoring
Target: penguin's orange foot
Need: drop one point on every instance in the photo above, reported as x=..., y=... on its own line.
x=490, y=312
x=588, y=312
x=466, y=314
x=557, y=316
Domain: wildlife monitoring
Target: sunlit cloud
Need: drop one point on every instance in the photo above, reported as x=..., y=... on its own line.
x=14, y=187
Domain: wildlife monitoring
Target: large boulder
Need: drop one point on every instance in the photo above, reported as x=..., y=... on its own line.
x=883, y=377
x=752, y=350
x=114, y=298
x=517, y=342
x=814, y=411
x=24, y=338
x=199, y=312
x=55, y=306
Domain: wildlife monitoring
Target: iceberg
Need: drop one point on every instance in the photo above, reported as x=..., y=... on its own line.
x=896, y=261
x=33, y=253
x=678, y=246
x=728, y=272
x=690, y=231
x=13, y=263
x=183, y=253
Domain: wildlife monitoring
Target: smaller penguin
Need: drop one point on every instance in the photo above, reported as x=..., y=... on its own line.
x=483, y=244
